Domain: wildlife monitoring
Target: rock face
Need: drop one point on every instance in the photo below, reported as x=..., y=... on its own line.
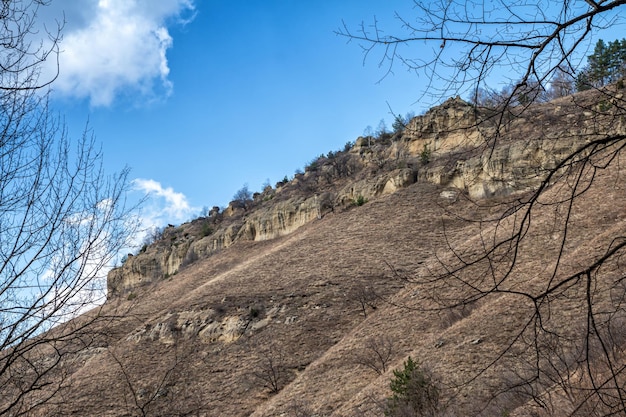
x=145, y=268
x=452, y=145
x=511, y=168
x=207, y=325
x=452, y=125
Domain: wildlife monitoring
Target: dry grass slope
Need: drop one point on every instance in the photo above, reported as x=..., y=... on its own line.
x=285, y=327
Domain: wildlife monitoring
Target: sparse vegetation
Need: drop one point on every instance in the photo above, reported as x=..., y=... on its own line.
x=366, y=297
x=376, y=354
x=282, y=182
x=368, y=133
x=271, y=370
x=207, y=230
x=401, y=122
x=414, y=393
x=425, y=154
x=153, y=235
x=255, y=311
x=204, y=212
x=360, y=200
x=313, y=165
x=381, y=131
x=604, y=106
x=243, y=196
x=300, y=408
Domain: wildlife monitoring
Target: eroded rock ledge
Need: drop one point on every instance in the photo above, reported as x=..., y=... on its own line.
x=452, y=145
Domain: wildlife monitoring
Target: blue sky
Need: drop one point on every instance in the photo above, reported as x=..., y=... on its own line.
x=199, y=97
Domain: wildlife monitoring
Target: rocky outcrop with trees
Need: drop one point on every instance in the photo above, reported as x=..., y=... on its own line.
x=443, y=146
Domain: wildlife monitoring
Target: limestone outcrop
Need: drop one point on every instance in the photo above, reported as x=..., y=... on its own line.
x=453, y=145
x=207, y=326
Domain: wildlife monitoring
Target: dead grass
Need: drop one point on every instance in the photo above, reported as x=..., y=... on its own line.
x=304, y=291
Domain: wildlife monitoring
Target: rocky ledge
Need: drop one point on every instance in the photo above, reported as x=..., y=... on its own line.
x=454, y=145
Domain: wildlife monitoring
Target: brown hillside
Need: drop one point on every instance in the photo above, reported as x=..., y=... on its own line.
x=299, y=295
x=280, y=320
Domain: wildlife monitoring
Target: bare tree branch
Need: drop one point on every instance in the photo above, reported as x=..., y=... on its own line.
x=564, y=354
x=62, y=220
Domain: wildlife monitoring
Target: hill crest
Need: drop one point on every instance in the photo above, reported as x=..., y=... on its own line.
x=444, y=147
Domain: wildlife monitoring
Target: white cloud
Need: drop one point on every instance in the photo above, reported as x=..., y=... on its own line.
x=87, y=289
x=75, y=278
x=164, y=205
x=113, y=47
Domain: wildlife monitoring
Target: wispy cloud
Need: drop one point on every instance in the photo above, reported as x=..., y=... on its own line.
x=164, y=205
x=87, y=289
x=113, y=47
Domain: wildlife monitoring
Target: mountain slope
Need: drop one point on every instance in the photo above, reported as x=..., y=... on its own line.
x=285, y=317
x=300, y=295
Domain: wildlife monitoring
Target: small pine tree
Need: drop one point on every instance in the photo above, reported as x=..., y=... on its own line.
x=425, y=155
x=414, y=393
x=398, y=124
x=606, y=65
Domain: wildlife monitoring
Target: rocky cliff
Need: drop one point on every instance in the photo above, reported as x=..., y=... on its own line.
x=457, y=145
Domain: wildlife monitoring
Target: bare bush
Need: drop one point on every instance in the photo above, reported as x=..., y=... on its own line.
x=376, y=354
x=162, y=394
x=366, y=298
x=299, y=408
x=272, y=371
x=243, y=196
